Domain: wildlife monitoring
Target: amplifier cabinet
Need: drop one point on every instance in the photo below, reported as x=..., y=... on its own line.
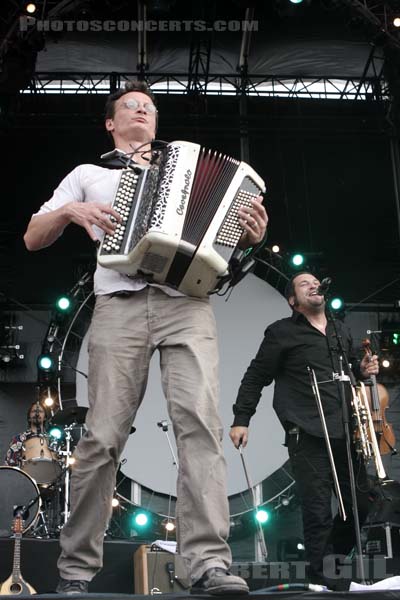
x=157, y=571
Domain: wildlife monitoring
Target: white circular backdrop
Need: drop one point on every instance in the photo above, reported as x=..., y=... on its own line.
x=241, y=322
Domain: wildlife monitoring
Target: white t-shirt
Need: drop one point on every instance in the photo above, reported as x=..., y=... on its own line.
x=90, y=183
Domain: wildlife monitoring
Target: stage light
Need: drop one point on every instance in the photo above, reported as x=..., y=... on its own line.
x=160, y=6
x=297, y=260
x=385, y=363
x=396, y=21
x=396, y=338
x=295, y=1
x=290, y=549
x=336, y=303
x=169, y=526
x=262, y=515
x=56, y=433
x=275, y=248
x=114, y=502
x=300, y=546
x=63, y=304
x=30, y=8
x=48, y=400
x=141, y=519
x=45, y=362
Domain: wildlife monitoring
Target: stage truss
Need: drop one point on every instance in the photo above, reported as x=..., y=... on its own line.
x=365, y=88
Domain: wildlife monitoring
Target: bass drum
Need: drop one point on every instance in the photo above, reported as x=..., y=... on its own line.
x=17, y=489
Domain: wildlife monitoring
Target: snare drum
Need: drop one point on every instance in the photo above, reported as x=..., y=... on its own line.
x=17, y=489
x=39, y=461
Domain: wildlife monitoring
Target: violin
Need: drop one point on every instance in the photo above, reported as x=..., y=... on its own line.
x=378, y=399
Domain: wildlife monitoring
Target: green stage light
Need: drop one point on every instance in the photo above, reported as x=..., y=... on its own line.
x=56, y=433
x=396, y=338
x=63, y=303
x=336, y=303
x=297, y=260
x=295, y=1
x=45, y=362
x=262, y=516
x=141, y=519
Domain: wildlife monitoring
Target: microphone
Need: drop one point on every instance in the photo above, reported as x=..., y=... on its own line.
x=163, y=425
x=324, y=286
x=155, y=155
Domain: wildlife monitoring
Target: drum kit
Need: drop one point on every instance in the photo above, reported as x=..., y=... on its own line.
x=40, y=485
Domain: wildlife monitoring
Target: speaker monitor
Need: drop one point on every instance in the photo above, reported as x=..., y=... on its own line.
x=383, y=538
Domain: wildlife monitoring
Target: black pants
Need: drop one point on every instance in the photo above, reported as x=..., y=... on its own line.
x=323, y=533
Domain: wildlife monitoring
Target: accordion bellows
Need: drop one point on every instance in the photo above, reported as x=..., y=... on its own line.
x=180, y=222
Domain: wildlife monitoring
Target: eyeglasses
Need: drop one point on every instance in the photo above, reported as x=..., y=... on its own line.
x=133, y=104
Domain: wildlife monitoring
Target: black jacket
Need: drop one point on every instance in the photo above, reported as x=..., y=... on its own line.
x=289, y=346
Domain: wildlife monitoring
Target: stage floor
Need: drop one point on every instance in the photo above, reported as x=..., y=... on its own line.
x=368, y=595
x=117, y=578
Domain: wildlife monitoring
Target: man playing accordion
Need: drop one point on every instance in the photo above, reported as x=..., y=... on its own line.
x=132, y=319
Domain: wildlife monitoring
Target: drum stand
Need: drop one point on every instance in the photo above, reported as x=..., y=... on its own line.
x=67, y=453
x=58, y=523
x=41, y=524
x=48, y=522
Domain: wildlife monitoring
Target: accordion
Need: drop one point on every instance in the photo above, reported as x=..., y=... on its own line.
x=180, y=222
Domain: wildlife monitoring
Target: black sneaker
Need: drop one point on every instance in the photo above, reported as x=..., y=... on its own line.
x=218, y=581
x=72, y=587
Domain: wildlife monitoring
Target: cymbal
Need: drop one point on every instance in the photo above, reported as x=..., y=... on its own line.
x=72, y=414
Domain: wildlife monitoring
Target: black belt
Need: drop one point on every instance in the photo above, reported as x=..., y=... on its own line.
x=123, y=293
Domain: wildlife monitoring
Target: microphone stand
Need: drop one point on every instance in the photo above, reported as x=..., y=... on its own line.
x=344, y=364
x=39, y=430
x=315, y=388
x=260, y=531
x=23, y=512
x=163, y=425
